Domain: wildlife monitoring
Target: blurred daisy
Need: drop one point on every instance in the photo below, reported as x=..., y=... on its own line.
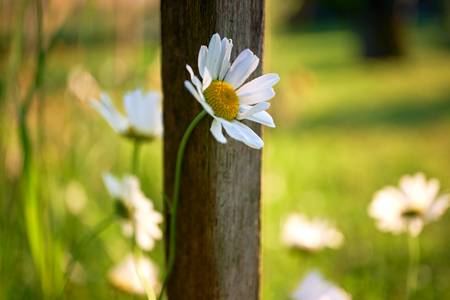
x=134, y=274
x=144, y=116
x=410, y=206
x=224, y=96
x=310, y=235
x=75, y=198
x=314, y=287
x=140, y=219
x=83, y=85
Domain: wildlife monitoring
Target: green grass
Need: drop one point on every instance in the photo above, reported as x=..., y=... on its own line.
x=345, y=128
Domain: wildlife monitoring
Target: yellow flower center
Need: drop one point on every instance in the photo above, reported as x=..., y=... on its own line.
x=222, y=98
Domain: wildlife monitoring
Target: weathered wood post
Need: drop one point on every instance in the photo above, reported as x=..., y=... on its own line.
x=218, y=227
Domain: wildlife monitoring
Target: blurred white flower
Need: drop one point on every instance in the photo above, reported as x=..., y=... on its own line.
x=83, y=85
x=140, y=219
x=310, y=235
x=144, y=115
x=314, y=287
x=223, y=94
x=410, y=206
x=134, y=274
x=75, y=198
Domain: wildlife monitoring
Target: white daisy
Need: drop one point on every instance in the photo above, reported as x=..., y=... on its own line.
x=133, y=274
x=314, y=287
x=144, y=116
x=310, y=235
x=139, y=217
x=224, y=96
x=410, y=206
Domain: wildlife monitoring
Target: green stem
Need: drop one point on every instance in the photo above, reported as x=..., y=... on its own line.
x=98, y=229
x=176, y=196
x=135, y=157
x=413, y=264
x=137, y=255
x=36, y=230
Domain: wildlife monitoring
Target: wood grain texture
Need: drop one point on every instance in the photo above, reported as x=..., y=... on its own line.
x=218, y=229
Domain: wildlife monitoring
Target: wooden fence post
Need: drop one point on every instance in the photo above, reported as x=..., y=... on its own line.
x=218, y=225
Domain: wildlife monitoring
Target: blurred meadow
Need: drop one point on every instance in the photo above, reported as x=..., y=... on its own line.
x=347, y=125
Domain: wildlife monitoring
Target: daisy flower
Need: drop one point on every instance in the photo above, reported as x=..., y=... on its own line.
x=139, y=219
x=143, y=118
x=310, y=235
x=223, y=94
x=314, y=287
x=408, y=207
x=133, y=274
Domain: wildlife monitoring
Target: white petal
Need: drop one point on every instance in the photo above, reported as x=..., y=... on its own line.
x=256, y=97
x=227, y=46
x=263, y=118
x=243, y=133
x=107, y=110
x=144, y=240
x=144, y=112
x=197, y=83
x=113, y=185
x=263, y=82
x=438, y=208
x=206, y=79
x=191, y=89
x=155, y=117
x=242, y=67
x=213, y=57
x=191, y=72
x=198, y=96
x=247, y=111
x=202, y=54
x=253, y=140
x=216, y=130
x=208, y=108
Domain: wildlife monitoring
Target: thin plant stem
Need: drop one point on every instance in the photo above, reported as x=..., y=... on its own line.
x=413, y=264
x=137, y=255
x=36, y=230
x=176, y=197
x=95, y=232
x=137, y=252
x=135, y=157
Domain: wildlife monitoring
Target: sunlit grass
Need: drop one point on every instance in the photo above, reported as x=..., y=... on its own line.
x=346, y=128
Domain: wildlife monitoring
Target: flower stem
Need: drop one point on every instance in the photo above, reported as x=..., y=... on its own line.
x=137, y=256
x=176, y=196
x=98, y=229
x=135, y=157
x=414, y=260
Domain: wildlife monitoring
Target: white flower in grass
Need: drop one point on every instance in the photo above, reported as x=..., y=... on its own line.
x=310, y=235
x=140, y=219
x=144, y=117
x=134, y=274
x=314, y=287
x=410, y=206
x=224, y=96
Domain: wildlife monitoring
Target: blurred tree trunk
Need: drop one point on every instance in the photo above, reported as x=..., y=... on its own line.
x=218, y=225
x=446, y=21
x=381, y=27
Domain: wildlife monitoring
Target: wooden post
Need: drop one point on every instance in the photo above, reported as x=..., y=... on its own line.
x=218, y=226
